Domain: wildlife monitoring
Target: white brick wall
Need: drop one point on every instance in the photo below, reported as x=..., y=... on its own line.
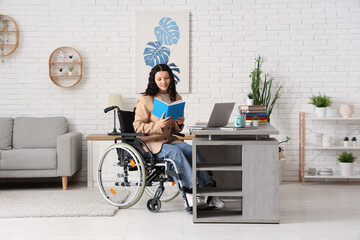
x=309, y=46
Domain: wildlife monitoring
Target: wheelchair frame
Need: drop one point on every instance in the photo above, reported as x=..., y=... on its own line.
x=157, y=167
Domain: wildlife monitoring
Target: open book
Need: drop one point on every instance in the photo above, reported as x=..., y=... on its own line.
x=175, y=109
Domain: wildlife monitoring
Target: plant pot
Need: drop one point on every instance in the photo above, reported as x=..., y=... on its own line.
x=346, y=143
x=346, y=110
x=353, y=143
x=320, y=112
x=250, y=102
x=255, y=123
x=70, y=73
x=346, y=169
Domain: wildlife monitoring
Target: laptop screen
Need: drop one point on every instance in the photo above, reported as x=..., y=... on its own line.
x=220, y=114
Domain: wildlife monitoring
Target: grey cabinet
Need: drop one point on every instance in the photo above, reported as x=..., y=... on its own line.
x=246, y=171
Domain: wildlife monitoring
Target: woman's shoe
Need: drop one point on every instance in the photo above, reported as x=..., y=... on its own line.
x=189, y=199
x=217, y=202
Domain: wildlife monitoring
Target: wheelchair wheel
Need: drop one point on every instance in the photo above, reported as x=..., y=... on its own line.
x=121, y=175
x=153, y=206
x=170, y=191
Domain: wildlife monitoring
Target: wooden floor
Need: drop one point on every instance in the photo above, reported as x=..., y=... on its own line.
x=316, y=211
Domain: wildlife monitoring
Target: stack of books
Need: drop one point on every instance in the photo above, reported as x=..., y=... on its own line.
x=255, y=110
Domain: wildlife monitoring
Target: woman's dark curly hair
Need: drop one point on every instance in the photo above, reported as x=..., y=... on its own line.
x=152, y=89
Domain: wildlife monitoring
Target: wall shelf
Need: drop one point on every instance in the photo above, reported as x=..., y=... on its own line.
x=11, y=39
x=55, y=64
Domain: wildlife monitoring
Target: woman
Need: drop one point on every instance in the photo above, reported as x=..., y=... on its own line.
x=160, y=140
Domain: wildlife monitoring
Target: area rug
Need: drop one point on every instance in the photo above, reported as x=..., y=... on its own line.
x=84, y=202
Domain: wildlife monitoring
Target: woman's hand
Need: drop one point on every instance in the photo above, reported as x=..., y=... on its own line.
x=180, y=121
x=164, y=121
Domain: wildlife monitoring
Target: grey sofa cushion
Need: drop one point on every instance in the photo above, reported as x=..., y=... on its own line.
x=38, y=132
x=26, y=159
x=6, y=130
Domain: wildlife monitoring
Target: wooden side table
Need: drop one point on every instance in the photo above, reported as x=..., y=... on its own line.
x=96, y=146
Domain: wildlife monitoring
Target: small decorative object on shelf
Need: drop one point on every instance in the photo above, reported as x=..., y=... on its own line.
x=325, y=172
x=250, y=100
x=321, y=102
x=327, y=141
x=346, y=161
x=311, y=171
x=255, y=121
x=346, y=110
x=57, y=60
x=71, y=69
x=61, y=71
x=318, y=139
x=61, y=56
x=353, y=141
x=9, y=36
x=346, y=142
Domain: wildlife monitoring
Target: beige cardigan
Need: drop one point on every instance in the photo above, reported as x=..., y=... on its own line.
x=146, y=122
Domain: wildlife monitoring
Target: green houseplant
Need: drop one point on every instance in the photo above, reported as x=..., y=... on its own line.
x=71, y=69
x=353, y=141
x=346, y=161
x=261, y=90
x=321, y=102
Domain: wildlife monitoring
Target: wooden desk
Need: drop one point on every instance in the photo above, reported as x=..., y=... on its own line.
x=96, y=146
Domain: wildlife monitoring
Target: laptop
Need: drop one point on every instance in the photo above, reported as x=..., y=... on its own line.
x=219, y=116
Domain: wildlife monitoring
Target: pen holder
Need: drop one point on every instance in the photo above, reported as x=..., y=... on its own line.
x=239, y=121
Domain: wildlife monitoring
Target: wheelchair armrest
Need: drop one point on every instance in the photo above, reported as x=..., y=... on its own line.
x=179, y=134
x=129, y=136
x=132, y=134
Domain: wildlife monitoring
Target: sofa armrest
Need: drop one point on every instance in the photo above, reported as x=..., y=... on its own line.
x=69, y=153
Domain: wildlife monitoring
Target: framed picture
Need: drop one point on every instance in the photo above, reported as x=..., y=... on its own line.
x=162, y=38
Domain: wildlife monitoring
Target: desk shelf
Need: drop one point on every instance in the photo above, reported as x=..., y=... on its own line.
x=219, y=167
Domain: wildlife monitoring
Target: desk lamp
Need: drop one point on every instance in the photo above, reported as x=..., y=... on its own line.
x=115, y=100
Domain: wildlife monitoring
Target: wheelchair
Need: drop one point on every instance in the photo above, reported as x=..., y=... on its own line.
x=126, y=170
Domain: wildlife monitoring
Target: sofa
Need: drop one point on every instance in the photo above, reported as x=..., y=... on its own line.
x=39, y=147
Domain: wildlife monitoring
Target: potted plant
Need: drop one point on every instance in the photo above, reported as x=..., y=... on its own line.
x=353, y=141
x=346, y=142
x=255, y=121
x=321, y=102
x=346, y=161
x=71, y=58
x=261, y=89
x=250, y=100
x=71, y=69
x=61, y=71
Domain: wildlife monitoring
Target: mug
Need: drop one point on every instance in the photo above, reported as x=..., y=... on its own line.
x=239, y=121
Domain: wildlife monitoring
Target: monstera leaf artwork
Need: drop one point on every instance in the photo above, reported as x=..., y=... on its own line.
x=156, y=54
x=174, y=69
x=162, y=38
x=168, y=32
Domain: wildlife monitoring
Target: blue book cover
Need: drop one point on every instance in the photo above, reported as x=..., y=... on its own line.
x=175, y=109
x=260, y=114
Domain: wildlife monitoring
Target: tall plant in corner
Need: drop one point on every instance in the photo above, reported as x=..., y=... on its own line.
x=261, y=90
